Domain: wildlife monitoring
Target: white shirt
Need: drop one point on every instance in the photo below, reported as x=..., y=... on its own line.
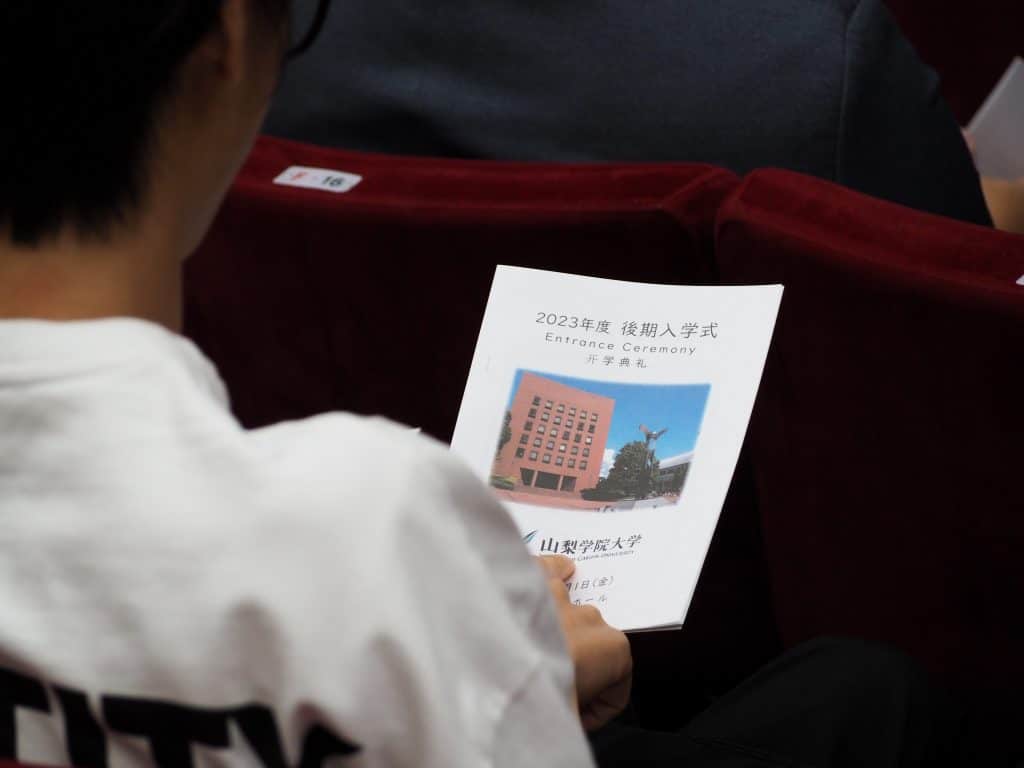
x=176, y=588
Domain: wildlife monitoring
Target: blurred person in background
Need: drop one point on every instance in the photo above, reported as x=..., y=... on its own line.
x=829, y=88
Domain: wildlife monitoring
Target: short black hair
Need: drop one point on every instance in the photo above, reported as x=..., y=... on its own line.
x=82, y=82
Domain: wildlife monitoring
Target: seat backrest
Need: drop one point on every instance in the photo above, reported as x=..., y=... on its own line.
x=370, y=301
x=888, y=438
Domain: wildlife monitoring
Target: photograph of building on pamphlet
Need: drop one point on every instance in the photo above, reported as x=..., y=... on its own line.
x=596, y=445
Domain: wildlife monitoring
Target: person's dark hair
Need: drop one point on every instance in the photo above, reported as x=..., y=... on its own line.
x=81, y=84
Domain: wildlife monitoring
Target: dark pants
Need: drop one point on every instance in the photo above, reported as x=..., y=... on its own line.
x=829, y=703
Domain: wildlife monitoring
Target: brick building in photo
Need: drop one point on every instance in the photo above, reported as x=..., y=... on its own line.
x=558, y=438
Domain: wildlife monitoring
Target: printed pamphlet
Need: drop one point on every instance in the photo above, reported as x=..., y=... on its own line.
x=608, y=417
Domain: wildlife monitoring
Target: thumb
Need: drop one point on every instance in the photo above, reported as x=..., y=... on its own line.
x=557, y=566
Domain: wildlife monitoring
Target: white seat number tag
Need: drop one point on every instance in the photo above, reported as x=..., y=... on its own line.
x=318, y=178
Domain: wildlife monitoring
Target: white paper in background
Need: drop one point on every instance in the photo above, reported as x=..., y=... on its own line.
x=998, y=127
x=678, y=358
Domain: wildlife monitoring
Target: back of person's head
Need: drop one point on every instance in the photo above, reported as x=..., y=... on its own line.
x=83, y=84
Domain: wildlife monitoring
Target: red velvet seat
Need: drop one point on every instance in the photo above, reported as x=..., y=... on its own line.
x=370, y=301
x=888, y=437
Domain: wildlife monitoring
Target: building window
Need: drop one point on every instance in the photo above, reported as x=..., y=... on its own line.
x=575, y=450
x=527, y=476
x=544, y=416
x=536, y=443
x=524, y=439
x=577, y=438
x=562, y=447
x=558, y=461
x=520, y=452
x=548, y=404
x=536, y=400
x=583, y=465
x=561, y=407
x=540, y=430
x=547, y=480
x=593, y=417
x=533, y=455
x=551, y=445
x=591, y=429
x=572, y=411
x=590, y=440
x=579, y=427
x=586, y=453
x=566, y=434
x=528, y=426
x=558, y=419
x=572, y=463
x=569, y=423
x=583, y=414
x=533, y=413
x=568, y=483
x=547, y=458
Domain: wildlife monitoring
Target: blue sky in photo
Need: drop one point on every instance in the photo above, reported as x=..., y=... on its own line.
x=678, y=407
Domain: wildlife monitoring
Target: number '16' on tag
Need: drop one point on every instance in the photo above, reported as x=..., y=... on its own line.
x=318, y=178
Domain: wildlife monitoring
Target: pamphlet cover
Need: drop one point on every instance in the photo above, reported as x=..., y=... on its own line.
x=608, y=417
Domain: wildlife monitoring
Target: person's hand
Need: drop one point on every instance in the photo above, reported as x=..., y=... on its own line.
x=1005, y=199
x=600, y=653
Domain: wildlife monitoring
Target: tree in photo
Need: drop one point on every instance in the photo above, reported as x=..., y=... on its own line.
x=632, y=474
x=506, y=433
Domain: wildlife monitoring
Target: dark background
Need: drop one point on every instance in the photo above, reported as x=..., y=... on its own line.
x=969, y=43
